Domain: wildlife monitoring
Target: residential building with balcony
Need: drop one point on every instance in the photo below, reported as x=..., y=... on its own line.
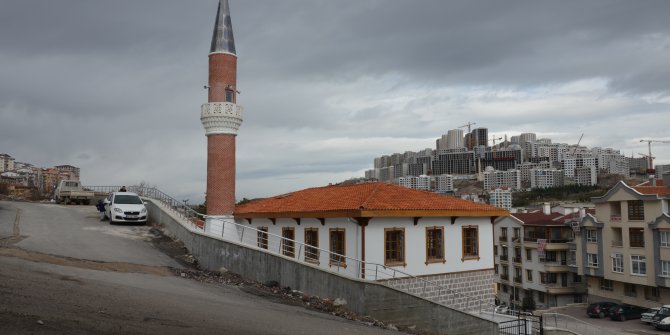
x=6, y=163
x=496, y=179
x=444, y=183
x=501, y=198
x=545, y=178
x=417, y=183
x=532, y=260
x=623, y=249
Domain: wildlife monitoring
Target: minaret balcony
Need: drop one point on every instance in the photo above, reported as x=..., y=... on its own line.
x=221, y=118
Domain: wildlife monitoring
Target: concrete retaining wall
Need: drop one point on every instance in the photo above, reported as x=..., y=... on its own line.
x=363, y=297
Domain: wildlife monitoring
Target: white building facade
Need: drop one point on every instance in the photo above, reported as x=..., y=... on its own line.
x=363, y=231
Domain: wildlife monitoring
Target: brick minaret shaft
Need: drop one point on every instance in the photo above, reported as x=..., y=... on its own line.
x=221, y=117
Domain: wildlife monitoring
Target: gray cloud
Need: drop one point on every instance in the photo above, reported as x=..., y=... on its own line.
x=116, y=87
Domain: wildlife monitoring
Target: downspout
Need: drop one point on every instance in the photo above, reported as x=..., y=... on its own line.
x=362, y=222
x=363, y=249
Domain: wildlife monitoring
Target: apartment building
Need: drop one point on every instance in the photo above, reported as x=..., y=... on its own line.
x=417, y=183
x=496, y=179
x=444, y=183
x=6, y=163
x=623, y=249
x=544, y=178
x=532, y=252
x=585, y=175
x=501, y=198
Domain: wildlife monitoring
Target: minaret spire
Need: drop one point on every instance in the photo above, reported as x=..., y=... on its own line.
x=222, y=38
x=221, y=117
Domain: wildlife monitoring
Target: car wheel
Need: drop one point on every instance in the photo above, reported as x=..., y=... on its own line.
x=601, y=315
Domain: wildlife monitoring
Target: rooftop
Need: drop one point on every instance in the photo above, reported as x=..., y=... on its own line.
x=658, y=190
x=363, y=200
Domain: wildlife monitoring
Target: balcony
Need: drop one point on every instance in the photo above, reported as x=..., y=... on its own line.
x=502, y=239
x=504, y=277
x=617, y=243
x=550, y=245
x=572, y=288
x=560, y=266
x=516, y=259
x=615, y=218
x=504, y=258
x=517, y=280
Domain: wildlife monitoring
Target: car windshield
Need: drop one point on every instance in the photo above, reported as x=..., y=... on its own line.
x=125, y=199
x=664, y=311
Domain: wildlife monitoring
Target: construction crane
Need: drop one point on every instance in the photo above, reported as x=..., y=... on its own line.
x=575, y=148
x=494, y=139
x=650, y=158
x=469, y=125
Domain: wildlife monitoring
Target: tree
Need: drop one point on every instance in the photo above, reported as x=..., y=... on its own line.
x=528, y=304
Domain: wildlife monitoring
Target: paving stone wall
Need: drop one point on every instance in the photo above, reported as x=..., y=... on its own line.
x=466, y=291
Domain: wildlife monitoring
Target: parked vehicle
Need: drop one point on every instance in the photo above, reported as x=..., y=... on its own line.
x=662, y=318
x=649, y=314
x=125, y=207
x=625, y=312
x=71, y=191
x=599, y=309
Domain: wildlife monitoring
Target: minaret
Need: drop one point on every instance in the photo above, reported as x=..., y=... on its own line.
x=221, y=117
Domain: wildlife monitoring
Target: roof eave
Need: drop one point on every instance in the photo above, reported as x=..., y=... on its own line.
x=374, y=213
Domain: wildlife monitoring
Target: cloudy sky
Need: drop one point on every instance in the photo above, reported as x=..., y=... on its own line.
x=115, y=87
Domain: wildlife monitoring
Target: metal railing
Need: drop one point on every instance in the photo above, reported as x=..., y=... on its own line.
x=180, y=208
x=309, y=254
x=345, y=265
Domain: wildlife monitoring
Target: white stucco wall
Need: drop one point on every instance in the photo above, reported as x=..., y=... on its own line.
x=352, y=239
x=415, y=243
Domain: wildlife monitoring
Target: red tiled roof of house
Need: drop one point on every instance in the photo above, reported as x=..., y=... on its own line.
x=539, y=218
x=363, y=200
x=659, y=190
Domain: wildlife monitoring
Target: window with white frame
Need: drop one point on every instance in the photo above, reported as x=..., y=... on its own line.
x=638, y=265
x=591, y=236
x=665, y=238
x=665, y=268
x=617, y=263
x=592, y=260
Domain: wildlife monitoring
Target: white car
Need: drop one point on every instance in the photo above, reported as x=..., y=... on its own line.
x=125, y=207
x=648, y=315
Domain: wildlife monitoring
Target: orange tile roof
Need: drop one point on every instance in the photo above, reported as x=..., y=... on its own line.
x=658, y=190
x=363, y=200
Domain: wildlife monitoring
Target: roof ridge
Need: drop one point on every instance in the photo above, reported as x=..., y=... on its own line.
x=372, y=193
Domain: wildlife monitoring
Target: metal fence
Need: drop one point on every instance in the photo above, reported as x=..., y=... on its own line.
x=343, y=264
x=324, y=259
